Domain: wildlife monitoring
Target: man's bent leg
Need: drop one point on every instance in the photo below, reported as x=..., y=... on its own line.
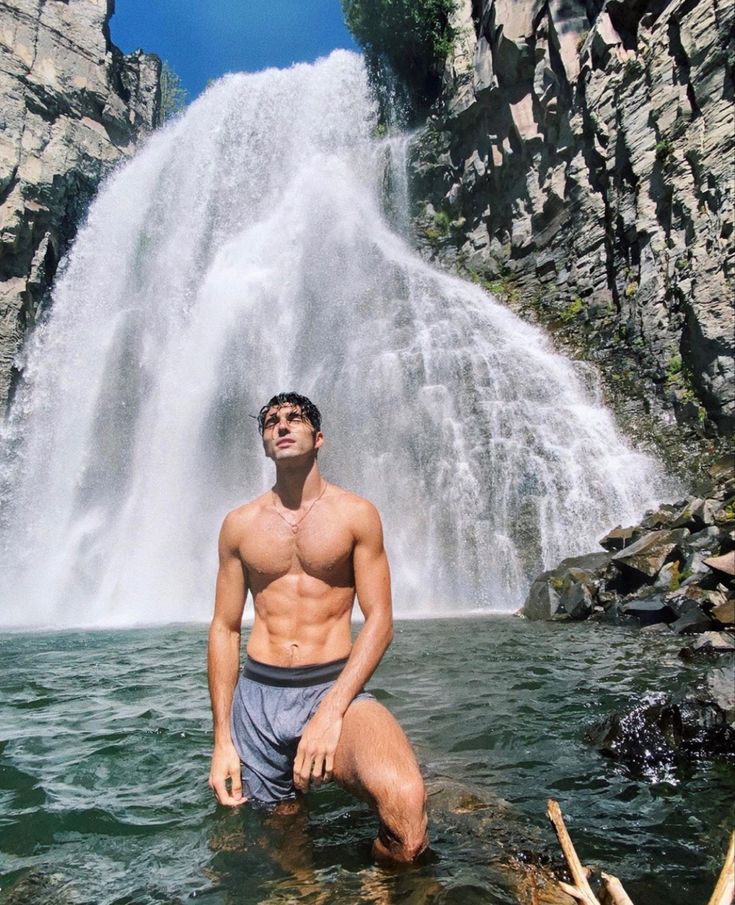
x=374, y=760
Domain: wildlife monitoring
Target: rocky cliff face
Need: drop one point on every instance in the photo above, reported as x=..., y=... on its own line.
x=581, y=166
x=73, y=105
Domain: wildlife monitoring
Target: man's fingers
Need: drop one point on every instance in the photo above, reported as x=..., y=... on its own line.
x=317, y=769
x=237, y=786
x=302, y=769
x=218, y=784
x=219, y=788
x=328, y=767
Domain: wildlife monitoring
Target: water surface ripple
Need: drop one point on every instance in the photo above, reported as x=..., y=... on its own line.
x=104, y=753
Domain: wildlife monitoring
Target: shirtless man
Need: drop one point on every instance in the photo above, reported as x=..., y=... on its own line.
x=298, y=713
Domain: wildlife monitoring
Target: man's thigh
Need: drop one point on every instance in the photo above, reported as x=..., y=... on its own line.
x=374, y=758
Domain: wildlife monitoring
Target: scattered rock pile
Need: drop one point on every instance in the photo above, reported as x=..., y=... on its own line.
x=675, y=569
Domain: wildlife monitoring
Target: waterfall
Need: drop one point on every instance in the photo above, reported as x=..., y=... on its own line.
x=245, y=251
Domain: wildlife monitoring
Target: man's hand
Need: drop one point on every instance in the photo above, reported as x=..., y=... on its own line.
x=315, y=753
x=226, y=765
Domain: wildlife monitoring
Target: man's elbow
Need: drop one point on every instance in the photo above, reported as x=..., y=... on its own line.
x=220, y=628
x=387, y=630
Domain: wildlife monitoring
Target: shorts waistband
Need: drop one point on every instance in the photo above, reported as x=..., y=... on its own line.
x=293, y=676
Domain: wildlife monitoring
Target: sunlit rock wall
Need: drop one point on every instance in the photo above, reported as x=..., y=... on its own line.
x=73, y=105
x=581, y=165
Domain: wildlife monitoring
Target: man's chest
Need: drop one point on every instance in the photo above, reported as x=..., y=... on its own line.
x=322, y=550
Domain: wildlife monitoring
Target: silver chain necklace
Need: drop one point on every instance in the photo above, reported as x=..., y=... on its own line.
x=294, y=526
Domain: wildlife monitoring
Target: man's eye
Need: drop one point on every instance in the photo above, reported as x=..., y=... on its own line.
x=294, y=417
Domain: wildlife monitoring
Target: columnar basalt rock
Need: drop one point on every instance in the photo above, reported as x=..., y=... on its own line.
x=73, y=105
x=581, y=165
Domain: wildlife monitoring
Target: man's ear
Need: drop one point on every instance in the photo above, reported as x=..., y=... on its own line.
x=318, y=440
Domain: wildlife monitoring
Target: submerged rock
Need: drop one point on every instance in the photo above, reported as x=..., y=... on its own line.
x=717, y=641
x=660, y=734
x=39, y=888
x=515, y=850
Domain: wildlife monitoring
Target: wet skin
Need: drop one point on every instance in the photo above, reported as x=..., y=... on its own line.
x=303, y=550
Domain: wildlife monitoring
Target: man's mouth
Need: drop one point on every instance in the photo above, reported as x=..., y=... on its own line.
x=286, y=441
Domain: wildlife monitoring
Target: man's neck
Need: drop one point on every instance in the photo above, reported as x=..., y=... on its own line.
x=297, y=484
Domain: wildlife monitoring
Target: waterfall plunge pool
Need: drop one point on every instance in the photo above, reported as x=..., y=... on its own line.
x=104, y=755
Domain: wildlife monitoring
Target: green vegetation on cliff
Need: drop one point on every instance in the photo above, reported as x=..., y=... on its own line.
x=173, y=93
x=409, y=37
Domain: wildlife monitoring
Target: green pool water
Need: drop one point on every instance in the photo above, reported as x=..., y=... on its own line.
x=104, y=754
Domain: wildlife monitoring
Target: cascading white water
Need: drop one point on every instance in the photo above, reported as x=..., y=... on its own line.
x=244, y=252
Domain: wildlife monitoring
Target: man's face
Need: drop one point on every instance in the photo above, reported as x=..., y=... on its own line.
x=287, y=434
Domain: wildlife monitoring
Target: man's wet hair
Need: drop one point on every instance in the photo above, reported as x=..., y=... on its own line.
x=308, y=409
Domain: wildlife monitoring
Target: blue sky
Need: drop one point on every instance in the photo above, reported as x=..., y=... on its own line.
x=203, y=39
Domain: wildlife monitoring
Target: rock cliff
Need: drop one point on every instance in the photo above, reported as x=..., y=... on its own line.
x=73, y=105
x=580, y=165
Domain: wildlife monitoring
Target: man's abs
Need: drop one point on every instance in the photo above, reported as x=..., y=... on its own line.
x=294, y=630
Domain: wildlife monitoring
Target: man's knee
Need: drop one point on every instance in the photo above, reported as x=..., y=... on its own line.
x=413, y=796
x=403, y=819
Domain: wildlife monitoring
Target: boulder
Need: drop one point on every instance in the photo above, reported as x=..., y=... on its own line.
x=577, y=600
x=724, y=563
x=650, y=612
x=668, y=577
x=718, y=645
x=712, y=642
x=686, y=516
x=693, y=622
x=660, y=734
x=715, y=641
x=567, y=590
x=724, y=515
x=708, y=511
x=666, y=515
x=724, y=613
x=619, y=538
x=648, y=554
x=706, y=539
x=681, y=602
x=543, y=600
x=721, y=690
x=722, y=470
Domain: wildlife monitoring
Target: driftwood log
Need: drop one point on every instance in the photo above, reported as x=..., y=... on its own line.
x=725, y=889
x=581, y=889
x=614, y=894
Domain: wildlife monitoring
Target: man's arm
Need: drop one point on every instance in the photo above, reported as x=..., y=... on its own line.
x=223, y=662
x=372, y=584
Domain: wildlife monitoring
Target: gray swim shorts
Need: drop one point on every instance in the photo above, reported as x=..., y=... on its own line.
x=270, y=708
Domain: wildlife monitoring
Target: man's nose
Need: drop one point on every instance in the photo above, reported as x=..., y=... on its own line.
x=283, y=426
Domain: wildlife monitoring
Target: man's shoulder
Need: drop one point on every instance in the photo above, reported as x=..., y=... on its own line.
x=353, y=505
x=241, y=516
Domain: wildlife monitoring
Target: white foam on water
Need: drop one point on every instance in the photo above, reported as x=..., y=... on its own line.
x=242, y=252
